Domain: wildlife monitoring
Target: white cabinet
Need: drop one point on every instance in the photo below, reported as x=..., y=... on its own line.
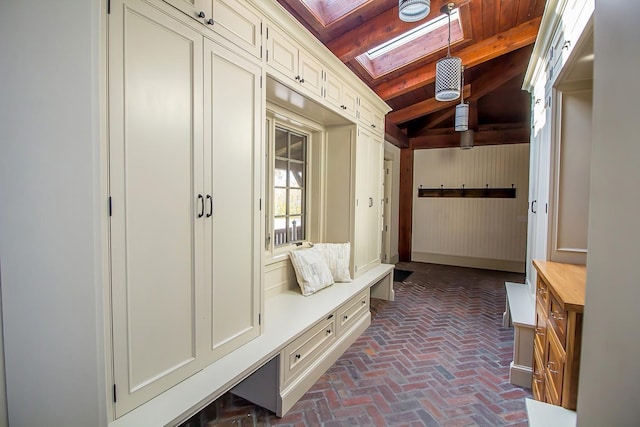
x=184, y=199
x=232, y=19
x=340, y=94
x=232, y=119
x=287, y=58
x=561, y=136
x=369, y=117
x=355, y=193
x=368, y=190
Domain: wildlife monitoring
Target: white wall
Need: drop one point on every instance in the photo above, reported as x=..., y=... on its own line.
x=391, y=152
x=474, y=232
x=50, y=219
x=609, y=375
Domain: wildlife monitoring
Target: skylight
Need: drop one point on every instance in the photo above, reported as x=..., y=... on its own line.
x=411, y=35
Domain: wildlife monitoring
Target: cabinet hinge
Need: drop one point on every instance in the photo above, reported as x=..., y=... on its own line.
x=267, y=59
x=259, y=318
x=260, y=82
x=261, y=28
x=546, y=208
x=115, y=396
x=108, y=7
x=110, y=207
x=267, y=33
x=260, y=204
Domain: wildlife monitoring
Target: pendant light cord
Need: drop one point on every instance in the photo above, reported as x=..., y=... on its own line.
x=449, y=39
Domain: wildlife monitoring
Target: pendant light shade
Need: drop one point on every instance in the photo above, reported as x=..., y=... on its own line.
x=448, y=78
x=466, y=139
x=462, y=117
x=413, y=10
x=448, y=69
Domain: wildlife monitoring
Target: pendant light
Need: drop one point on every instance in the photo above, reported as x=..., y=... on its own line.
x=413, y=10
x=462, y=110
x=466, y=139
x=448, y=69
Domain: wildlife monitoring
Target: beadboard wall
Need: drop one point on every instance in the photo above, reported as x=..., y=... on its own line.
x=472, y=232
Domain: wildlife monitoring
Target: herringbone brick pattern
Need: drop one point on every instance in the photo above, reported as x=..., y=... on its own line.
x=437, y=356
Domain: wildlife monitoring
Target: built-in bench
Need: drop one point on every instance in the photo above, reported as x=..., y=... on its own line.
x=520, y=313
x=302, y=337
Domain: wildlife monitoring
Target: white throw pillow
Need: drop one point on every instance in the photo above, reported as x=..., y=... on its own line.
x=311, y=270
x=337, y=256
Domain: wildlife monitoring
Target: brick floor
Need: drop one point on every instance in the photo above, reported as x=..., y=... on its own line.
x=437, y=356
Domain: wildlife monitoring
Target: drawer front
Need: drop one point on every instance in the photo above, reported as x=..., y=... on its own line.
x=540, y=337
x=305, y=349
x=352, y=311
x=554, y=369
x=542, y=294
x=537, y=380
x=558, y=320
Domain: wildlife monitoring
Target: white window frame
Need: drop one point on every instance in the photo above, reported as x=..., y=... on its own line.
x=283, y=118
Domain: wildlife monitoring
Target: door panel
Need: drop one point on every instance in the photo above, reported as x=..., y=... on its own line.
x=155, y=139
x=233, y=123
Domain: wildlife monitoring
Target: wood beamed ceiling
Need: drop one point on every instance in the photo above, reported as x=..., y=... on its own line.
x=495, y=44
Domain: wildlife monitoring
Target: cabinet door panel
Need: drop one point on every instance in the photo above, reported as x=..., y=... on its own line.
x=238, y=24
x=311, y=74
x=155, y=145
x=232, y=124
x=282, y=53
x=361, y=250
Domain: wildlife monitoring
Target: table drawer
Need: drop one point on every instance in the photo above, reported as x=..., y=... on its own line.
x=352, y=310
x=558, y=320
x=301, y=352
x=537, y=380
x=554, y=369
x=542, y=294
x=540, y=331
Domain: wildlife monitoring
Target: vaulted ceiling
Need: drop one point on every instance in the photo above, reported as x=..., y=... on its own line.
x=494, y=39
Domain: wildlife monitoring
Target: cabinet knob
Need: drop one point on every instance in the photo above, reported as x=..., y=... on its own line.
x=328, y=331
x=364, y=302
x=297, y=357
x=201, y=15
x=301, y=80
x=297, y=78
x=210, y=21
x=345, y=317
x=370, y=202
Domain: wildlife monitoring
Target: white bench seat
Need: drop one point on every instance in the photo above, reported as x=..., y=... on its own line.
x=287, y=316
x=521, y=313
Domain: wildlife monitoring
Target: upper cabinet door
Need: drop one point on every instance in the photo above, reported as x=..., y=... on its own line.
x=155, y=174
x=197, y=9
x=233, y=123
x=234, y=21
x=282, y=54
x=310, y=73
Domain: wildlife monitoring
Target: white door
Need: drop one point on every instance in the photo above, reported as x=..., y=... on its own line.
x=155, y=127
x=233, y=119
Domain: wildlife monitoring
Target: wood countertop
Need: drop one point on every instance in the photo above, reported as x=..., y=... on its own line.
x=566, y=281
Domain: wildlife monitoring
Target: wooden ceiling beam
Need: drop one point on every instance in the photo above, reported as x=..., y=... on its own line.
x=484, y=136
x=395, y=135
x=423, y=108
x=483, y=51
x=374, y=32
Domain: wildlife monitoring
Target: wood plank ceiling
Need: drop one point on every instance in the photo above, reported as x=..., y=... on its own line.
x=494, y=39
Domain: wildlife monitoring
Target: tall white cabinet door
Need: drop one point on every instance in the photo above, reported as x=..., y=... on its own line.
x=368, y=222
x=233, y=111
x=155, y=113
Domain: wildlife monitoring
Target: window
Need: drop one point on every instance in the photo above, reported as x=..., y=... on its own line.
x=289, y=187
